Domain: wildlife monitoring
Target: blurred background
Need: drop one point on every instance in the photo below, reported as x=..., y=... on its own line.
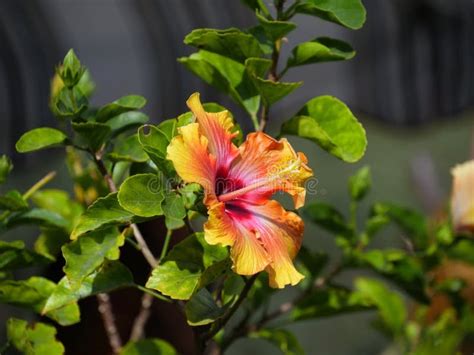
x=411, y=84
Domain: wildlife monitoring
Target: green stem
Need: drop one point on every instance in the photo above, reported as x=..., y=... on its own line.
x=220, y=323
x=254, y=119
x=153, y=293
x=50, y=176
x=283, y=72
x=272, y=74
x=166, y=244
x=132, y=243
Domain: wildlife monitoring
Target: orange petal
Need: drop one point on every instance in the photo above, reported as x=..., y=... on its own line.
x=265, y=236
x=191, y=159
x=248, y=255
x=462, y=199
x=216, y=127
x=281, y=233
x=275, y=164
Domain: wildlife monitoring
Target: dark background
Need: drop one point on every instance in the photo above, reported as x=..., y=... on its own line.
x=411, y=84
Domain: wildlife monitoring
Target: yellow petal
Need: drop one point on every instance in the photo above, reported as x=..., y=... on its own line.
x=190, y=157
x=216, y=127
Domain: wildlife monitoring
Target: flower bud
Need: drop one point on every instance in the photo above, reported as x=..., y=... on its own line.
x=71, y=70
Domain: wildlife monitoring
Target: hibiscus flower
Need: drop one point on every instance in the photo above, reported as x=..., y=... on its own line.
x=238, y=183
x=462, y=199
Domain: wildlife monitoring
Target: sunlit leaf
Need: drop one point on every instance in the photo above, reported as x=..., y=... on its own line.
x=40, y=138
x=179, y=275
x=231, y=43
x=275, y=29
x=390, y=305
x=13, y=201
x=104, y=212
x=84, y=255
x=329, y=123
x=322, y=49
x=122, y=105
x=360, y=183
x=36, y=339
x=142, y=195
x=110, y=276
x=348, y=13
x=32, y=294
x=93, y=134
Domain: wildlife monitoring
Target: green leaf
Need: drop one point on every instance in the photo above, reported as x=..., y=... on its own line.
x=275, y=29
x=94, y=134
x=226, y=75
x=104, y=212
x=231, y=43
x=71, y=70
x=13, y=256
x=322, y=49
x=154, y=142
x=126, y=120
x=6, y=167
x=84, y=255
x=174, y=211
x=32, y=294
x=462, y=250
x=110, y=276
x=404, y=270
x=36, y=339
x=38, y=216
x=329, y=123
x=193, y=195
x=142, y=195
x=375, y=223
x=50, y=241
x=86, y=85
x=390, y=305
x=413, y=223
x=348, y=13
x=180, y=273
x=281, y=338
x=270, y=91
x=168, y=128
x=329, y=302
x=257, y=5
x=13, y=201
x=69, y=103
x=148, y=347
x=359, y=183
x=40, y=138
x=327, y=217
x=202, y=309
x=233, y=286
x=122, y=105
x=266, y=44
x=59, y=201
x=129, y=150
